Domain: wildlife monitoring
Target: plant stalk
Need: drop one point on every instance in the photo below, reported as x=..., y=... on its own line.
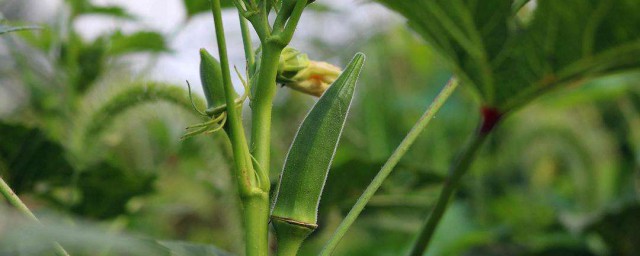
x=404, y=146
x=14, y=200
x=256, y=210
x=458, y=170
x=253, y=187
x=261, y=105
x=242, y=159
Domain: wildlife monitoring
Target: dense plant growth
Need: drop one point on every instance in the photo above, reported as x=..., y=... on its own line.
x=535, y=150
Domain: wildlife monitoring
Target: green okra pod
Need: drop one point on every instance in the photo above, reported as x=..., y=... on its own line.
x=211, y=79
x=309, y=158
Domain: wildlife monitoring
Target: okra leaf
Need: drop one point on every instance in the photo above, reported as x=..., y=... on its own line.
x=80, y=7
x=194, y=7
x=20, y=148
x=143, y=41
x=309, y=158
x=512, y=52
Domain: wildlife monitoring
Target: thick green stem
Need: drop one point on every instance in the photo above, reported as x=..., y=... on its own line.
x=14, y=200
x=262, y=103
x=457, y=171
x=254, y=188
x=243, y=166
x=404, y=146
x=255, y=211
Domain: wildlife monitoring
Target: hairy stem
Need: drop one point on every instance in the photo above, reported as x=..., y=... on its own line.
x=14, y=200
x=254, y=191
x=460, y=167
x=261, y=106
x=255, y=210
x=404, y=146
x=242, y=159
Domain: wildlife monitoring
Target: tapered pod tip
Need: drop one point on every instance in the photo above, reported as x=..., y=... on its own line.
x=359, y=58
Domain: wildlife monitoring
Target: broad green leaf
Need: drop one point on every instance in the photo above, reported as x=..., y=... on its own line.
x=510, y=59
x=99, y=198
x=618, y=229
x=28, y=157
x=194, y=7
x=20, y=236
x=309, y=158
x=114, y=11
x=23, y=237
x=80, y=7
x=144, y=41
x=91, y=61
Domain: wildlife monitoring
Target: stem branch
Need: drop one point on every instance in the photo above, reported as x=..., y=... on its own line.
x=242, y=159
x=404, y=146
x=254, y=192
x=261, y=105
x=460, y=167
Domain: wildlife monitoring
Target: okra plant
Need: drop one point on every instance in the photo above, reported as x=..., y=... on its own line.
x=510, y=52
x=273, y=62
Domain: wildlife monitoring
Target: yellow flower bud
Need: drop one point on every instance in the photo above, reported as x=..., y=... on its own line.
x=315, y=78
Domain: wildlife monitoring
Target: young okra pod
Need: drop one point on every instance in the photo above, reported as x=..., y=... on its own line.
x=211, y=79
x=307, y=164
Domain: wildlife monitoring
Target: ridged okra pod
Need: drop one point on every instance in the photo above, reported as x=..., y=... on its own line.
x=294, y=215
x=211, y=79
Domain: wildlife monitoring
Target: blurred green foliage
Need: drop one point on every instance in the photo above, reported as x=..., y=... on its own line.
x=558, y=178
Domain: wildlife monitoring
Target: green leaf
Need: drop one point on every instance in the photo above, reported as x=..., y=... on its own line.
x=81, y=7
x=91, y=60
x=144, y=41
x=113, y=11
x=618, y=228
x=99, y=198
x=28, y=157
x=194, y=7
x=511, y=58
x=309, y=158
x=22, y=237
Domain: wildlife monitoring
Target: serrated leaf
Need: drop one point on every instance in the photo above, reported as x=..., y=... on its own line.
x=309, y=158
x=511, y=60
x=144, y=41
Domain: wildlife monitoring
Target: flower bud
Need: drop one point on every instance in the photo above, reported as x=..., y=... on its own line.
x=315, y=78
x=292, y=61
x=297, y=72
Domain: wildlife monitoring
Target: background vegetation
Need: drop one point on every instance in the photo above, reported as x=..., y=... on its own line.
x=559, y=178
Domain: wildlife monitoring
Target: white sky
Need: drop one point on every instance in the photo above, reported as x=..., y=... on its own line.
x=353, y=20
